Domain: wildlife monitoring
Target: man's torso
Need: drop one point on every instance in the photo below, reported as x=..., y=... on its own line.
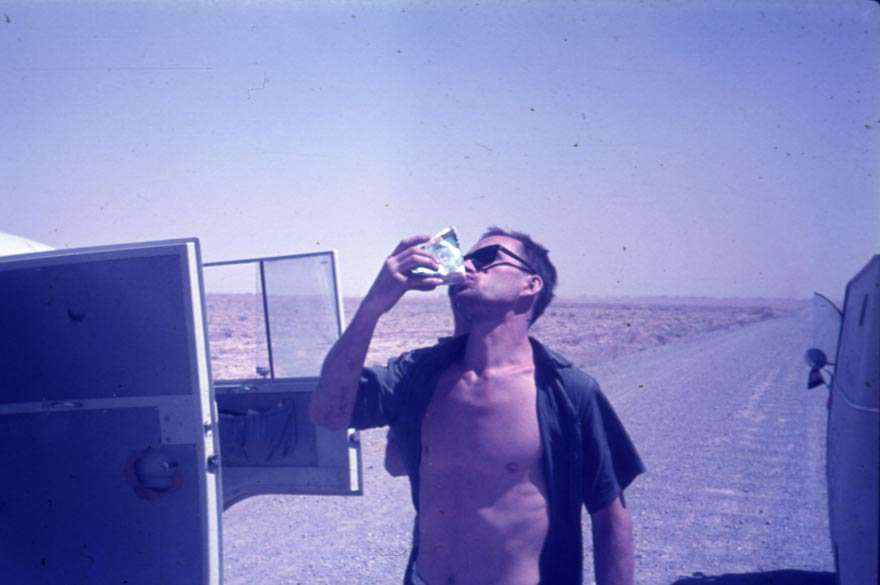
x=483, y=495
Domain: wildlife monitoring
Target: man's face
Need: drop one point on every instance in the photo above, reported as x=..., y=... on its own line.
x=497, y=286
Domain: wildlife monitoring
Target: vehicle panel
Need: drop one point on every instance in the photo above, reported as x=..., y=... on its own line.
x=854, y=432
x=106, y=420
x=274, y=319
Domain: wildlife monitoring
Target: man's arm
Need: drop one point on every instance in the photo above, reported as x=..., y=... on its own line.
x=613, y=555
x=333, y=401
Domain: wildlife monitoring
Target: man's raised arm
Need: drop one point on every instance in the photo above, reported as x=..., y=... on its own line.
x=332, y=402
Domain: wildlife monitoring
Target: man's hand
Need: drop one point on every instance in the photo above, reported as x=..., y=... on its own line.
x=613, y=545
x=395, y=279
x=332, y=403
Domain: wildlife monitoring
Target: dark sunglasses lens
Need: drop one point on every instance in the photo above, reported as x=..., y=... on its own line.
x=484, y=256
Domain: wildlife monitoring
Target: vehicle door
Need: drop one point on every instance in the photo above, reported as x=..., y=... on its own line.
x=107, y=443
x=271, y=321
x=854, y=431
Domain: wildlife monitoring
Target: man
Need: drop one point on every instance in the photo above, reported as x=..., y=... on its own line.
x=393, y=463
x=502, y=441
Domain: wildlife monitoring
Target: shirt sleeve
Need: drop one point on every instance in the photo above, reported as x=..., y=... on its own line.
x=378, y=397
x=611, y=461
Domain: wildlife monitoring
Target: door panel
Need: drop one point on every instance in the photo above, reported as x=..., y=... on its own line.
x=268, y=444
x=854, y=432
x=106, y=428
x=858, y=359
x=62, y=320
x=276, y=318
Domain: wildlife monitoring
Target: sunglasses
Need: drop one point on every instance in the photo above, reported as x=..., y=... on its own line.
x=485, y=257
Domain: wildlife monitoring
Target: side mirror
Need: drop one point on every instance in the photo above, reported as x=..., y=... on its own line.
x=815, y=379
x=817, y=360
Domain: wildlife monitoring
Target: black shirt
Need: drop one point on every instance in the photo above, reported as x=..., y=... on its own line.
x=588, y=456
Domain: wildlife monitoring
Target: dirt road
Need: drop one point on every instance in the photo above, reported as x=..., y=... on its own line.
x=734, y=444
x=733, y=441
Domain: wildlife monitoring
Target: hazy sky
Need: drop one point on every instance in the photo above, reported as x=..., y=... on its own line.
x=656, y=148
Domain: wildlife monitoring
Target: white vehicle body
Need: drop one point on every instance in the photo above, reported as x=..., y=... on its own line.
x=854, y=426
x=113, y=430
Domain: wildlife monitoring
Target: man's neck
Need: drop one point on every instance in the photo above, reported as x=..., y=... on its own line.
x=495, y=345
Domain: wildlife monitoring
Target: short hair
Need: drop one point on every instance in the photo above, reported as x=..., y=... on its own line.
x=539, y=258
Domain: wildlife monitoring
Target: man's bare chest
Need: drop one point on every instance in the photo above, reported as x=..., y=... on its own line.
x=482, y=423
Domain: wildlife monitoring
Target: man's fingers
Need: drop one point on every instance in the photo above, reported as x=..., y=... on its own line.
x=414, y=258
x=409, y=243
x=428, y=283
x=405, y=269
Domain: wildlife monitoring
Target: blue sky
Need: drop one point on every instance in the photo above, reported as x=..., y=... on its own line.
x=658, y=148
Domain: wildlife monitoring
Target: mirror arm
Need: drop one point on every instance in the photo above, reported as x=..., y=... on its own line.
x=830, y=302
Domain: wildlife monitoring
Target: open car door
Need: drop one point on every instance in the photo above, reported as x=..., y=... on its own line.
x=854, y=432
x=107, y=442
x=271, y=321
